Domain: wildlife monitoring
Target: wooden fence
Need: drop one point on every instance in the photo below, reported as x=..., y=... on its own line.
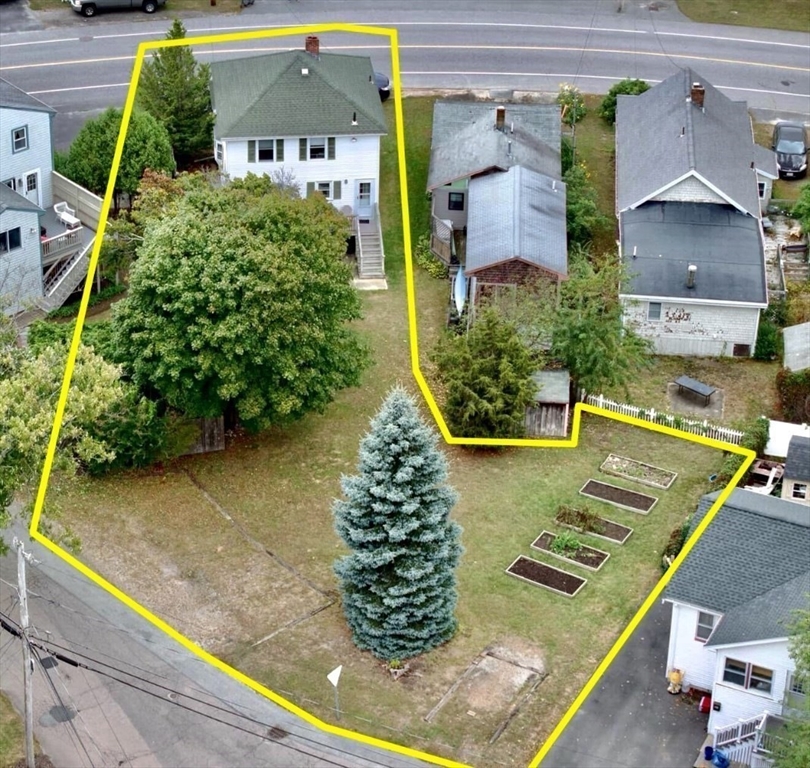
x=726, y=434
x=87, y=205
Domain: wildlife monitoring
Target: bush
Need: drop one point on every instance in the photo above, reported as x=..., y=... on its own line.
x=579, y=517
x=769, y=341
x=777, y=313
x=675, y=544
x=630, y=87
x=582, y=214
x=572, y=102
x=794, y=394
x=566, y=155
x=755, y=438
x=43, y=333
x=801, y=209
x=565, y=544
x=424, y=257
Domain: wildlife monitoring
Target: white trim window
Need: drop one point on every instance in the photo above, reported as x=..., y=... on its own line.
x=19, y=139
x=799, y=491
x=10, y=240
x=797, y=685
x=218, y=153
x=748, y=676
x=705, y=626
x=654, y=310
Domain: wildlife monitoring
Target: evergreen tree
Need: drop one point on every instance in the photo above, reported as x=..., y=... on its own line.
x=398, y=585
x=174, y=89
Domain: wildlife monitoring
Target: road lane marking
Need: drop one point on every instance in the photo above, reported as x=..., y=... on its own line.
x=78, y=88
x=442, y=47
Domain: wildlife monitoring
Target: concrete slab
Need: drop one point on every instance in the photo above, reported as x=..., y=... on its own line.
x=629, y=720
x=693, y=405
x=370, y=284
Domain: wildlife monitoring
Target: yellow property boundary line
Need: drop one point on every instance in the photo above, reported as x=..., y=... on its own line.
x=579, y=408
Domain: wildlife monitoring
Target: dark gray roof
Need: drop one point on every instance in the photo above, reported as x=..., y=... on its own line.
x=724, y=244
x=797, y=347
x=797, y=462
x=516, y=214
x=751, y=565
x=269, y=96
x=11, y=200
x=465, y=140
x=765, y=161
x=15, y=98
x=661, y=137
x=552, y=386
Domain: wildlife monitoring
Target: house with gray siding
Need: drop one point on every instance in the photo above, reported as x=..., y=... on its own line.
x=691, y=185
x=732, y=600
x=42, y=260
x=796, y=478
x=311, y=118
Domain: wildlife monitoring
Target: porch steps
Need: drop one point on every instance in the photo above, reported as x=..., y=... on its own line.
x=67, y=280
x=371, y=263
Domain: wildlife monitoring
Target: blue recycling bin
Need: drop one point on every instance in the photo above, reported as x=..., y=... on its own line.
x=719, y=760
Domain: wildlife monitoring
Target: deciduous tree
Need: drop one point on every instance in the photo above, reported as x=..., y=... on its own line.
x=398, y=584
x=629, y=86
x=174, y=88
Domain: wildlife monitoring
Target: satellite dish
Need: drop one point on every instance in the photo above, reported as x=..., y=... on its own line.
x=460, y=290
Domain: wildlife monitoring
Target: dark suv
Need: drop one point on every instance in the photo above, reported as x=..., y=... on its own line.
x=790, y=145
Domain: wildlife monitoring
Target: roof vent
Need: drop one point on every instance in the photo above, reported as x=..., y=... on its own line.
x=509, y=148
x=691, y=270
x=354, y=118
x=304, y=71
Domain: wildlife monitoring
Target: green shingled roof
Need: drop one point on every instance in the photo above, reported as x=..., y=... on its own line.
x=268, y=96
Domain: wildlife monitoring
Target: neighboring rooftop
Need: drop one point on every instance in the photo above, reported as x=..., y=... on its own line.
x=780, y=434
x=667, y=237
x=669, y=133
x=11, y=200
x=13, y=97
x=797, y=463
x=466, y=142
x=752, y=564
x=296, y=93
x=519, y=214
x=797, y=347
x=552, y=387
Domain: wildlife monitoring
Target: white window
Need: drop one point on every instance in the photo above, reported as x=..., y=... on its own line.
x=654, y=310
x=455, y=201
x=748, y=676
x=266, y=151
x=705, y=626
x=19, y=139
x=12, y=183
x=10, y=239
x=762, y=187
x=218, y=154
x=798, y=685
x=799, y=491
x=317, y=149
x=325, y=188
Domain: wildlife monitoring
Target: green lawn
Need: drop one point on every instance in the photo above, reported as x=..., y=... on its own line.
x=12, y=735
x=229, y=594
x=787, y=14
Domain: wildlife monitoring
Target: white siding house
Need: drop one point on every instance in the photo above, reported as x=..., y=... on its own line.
x=690, y=188
x=731, y=601
x=20, y=261
x=310, y=119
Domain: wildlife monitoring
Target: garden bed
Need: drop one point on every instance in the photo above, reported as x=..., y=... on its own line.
x=582, y=520
x=638, y=471
x=585, y=556
x=542, y=575
x=619, y=497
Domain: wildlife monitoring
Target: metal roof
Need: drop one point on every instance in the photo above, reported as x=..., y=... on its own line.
x=516, y=214
x=294, y=93
x=797, y=462
x=661, y=136
x=797, y=347
x=13, y=97
x=751, y=565
x=724, y=244
x=466, y=142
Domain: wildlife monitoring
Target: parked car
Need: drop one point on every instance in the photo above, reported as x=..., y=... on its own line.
x=91, y=7
x=383, y=85
x=791, y=147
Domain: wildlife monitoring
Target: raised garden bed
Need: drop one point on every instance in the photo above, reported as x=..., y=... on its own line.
x=638, y=471
x=619, y=497
x=542, y=575
x=586, y=557
x=582, y=520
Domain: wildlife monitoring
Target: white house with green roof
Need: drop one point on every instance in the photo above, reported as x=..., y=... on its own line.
x=312, y=117
x=732, y=600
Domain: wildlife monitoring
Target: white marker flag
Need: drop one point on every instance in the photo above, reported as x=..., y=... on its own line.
x=334, y=675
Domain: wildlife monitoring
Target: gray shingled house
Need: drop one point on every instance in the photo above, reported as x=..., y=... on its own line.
x=497, y=202
x=731, y=599
x=311, y=115
x=796, y=479
x=690, y=188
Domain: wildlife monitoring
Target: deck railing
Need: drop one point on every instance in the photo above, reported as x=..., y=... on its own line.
x=53, y=247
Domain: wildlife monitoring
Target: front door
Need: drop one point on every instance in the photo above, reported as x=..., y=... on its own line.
x=364, y=199
x=31, y=182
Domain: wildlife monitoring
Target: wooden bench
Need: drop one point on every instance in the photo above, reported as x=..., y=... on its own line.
x=696, y=387
x=66, y=215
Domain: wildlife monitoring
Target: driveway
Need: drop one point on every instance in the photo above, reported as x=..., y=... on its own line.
x=629, y=720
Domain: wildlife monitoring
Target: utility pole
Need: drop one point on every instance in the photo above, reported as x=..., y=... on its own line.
x=28, y=666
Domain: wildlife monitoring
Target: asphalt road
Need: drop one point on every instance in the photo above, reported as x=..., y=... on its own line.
x=81, y=66
x=144, y=709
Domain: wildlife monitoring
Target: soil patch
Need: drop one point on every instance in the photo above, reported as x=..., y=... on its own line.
x=619, y=497
x=546, y=576
x=638, y=471
x=587, y=557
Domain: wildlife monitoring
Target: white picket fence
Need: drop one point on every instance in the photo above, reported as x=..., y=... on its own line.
x=726, y=434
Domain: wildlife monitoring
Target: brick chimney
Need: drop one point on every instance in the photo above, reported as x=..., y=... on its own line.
x=500, y=118
x=697, y=93
x=313, y=46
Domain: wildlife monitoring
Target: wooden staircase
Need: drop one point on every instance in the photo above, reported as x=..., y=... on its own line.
x=370, y=251
x=66, y=279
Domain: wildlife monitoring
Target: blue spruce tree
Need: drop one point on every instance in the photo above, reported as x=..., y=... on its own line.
x=398, y=585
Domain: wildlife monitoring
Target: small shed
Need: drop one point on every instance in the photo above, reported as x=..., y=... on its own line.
x=548, y=417
x=797, y=347
x=796, y=482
